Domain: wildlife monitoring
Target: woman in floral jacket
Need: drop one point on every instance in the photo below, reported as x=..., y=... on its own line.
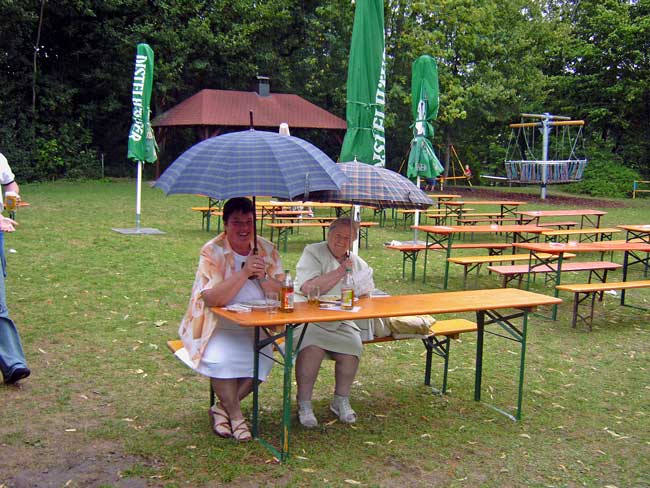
x=229, y=272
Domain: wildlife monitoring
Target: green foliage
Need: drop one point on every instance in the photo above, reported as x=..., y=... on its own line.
x=496, y=59
x=606, y=176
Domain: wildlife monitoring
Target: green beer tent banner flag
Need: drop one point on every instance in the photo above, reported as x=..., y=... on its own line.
x=142, y=145
x=424, y=94
x=366, y=87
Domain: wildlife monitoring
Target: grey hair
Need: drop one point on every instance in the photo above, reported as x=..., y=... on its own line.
x=346, y=221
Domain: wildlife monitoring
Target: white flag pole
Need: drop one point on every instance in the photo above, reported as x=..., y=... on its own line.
x=137, y=198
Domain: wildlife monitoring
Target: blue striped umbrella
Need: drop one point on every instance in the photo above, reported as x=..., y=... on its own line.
x=375, y=186
x=251, y=163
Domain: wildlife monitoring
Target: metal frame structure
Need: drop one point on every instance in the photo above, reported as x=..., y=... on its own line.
x=554, y=160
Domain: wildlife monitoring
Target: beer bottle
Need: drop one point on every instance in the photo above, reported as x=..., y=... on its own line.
x=286, y=293
x=347, y=290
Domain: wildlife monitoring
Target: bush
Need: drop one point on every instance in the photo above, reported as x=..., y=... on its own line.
x=605, y=176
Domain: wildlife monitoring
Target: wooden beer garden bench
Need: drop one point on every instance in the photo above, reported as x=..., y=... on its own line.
x=598, y=269
x=438, y=342
x=567, y=224
x=471, y=263
x=586, y=234
x=410, y=252
x=584, y=291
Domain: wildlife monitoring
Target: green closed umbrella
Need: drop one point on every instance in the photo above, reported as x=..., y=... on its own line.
x=142, y=144
x=425, y=94
x=365, y=139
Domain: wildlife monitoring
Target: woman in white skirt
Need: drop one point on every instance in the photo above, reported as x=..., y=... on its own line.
x=323, y=264
x=228, y=273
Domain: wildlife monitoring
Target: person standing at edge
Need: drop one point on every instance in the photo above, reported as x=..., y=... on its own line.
x=12, y=358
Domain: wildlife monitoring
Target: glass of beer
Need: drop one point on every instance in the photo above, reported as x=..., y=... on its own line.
x=11, y=201
x=313, y=295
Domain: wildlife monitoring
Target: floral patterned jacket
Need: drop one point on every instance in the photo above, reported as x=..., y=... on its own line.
x=216, y=263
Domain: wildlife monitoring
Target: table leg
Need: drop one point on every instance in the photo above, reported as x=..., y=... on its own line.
x=480, y=324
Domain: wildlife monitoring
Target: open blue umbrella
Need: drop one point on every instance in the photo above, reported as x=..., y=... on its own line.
x=252, y=163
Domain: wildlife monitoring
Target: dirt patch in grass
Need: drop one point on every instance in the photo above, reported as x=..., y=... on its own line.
x=565, y=200
x=96, y=464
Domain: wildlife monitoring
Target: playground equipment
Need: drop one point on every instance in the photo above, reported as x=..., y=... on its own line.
x=636, y=188
x=464, y=172
x=558, y=158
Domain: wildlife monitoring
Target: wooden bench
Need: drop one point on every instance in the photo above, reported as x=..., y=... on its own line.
x=410, y=252
x=585, y=234
x=471, y=263
x=491, y=220
x=584, y=291
x=284, y=229
x=438, y=342
x=560, y=225
x=517, y=271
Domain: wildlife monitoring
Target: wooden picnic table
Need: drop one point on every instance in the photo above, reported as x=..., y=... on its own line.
x=586, y=215
x=442, y=197
x=586, y=234
x=443, y=236
x=490, y=306
x=507, y=207
x=630, y=251
x=636, y=232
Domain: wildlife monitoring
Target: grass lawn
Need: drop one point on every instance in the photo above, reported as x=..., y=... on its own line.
x=107, y=405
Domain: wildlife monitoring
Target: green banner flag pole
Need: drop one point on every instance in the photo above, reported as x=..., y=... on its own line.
x=425, y=94
x=142, y=144
x=365, y=138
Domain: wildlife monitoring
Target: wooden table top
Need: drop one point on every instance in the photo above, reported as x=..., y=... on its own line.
x=484, y=202
x=586, y=230
x=560, y=213
x=600, y=246
x=635, y=227
x=483, y=229
x=398, y=305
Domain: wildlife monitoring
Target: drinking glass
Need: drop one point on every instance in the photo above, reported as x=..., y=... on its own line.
x=314, y=295
x=272, y=302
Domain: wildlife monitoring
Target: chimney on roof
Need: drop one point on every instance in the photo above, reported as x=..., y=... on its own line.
x=263, y=86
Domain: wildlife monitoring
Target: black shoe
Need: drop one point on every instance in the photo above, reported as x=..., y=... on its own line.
x=17, y=375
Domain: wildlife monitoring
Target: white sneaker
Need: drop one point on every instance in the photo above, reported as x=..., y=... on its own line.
x=306, y=415
x=340, y=405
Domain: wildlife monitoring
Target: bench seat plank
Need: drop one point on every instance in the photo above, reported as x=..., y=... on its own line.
x=519, y=270
x=590, y=290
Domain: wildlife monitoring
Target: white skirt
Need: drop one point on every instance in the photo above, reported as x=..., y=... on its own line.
x=230, y=352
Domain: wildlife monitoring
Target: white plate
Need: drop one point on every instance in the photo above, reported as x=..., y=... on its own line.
x=255, y=304
x=329, y=299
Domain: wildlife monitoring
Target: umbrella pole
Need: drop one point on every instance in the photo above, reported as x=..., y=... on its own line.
x=138, y=192
x=416, y=219
x=254, y=226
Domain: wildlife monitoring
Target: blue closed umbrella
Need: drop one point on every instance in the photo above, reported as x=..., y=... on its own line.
x=252, y=163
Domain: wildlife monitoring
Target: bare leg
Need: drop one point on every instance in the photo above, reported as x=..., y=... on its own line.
x=244, y=388
x=307, y=366
x=345, y=370
x=227, y=390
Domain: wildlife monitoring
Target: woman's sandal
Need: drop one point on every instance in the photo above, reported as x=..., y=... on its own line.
x=220, y=421
x=240, y=431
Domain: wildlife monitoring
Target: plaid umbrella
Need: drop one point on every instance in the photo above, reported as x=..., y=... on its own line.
x=375, y=186
x=251, y=163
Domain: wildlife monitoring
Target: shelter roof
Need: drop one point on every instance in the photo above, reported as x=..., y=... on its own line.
x=231, y=108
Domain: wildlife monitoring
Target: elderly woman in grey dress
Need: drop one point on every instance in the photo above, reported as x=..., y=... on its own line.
x=324, y=264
